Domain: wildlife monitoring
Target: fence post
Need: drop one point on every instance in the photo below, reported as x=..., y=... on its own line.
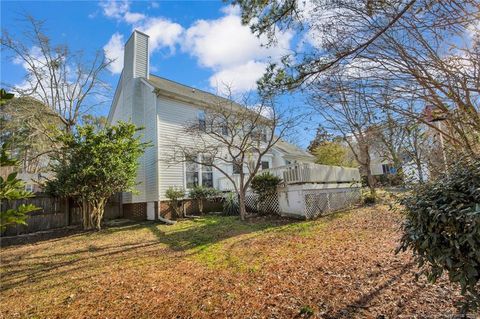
x=120, y=204
x=66, y=208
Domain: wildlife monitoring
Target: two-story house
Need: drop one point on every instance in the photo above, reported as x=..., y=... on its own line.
x=162, y=107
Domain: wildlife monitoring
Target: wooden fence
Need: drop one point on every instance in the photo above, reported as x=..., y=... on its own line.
x=55, y=213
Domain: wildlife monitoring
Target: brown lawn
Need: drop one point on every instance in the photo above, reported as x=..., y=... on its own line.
x=219, y=267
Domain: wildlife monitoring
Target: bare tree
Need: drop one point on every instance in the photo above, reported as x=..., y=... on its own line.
x=347, y=110
x=390, y=133
x=418, y=148
x=434, y=60
x=232, y=138
x=58, y=77
x=27, y=128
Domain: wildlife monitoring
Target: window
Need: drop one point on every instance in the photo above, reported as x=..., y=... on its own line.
x=265, y=165
x=29, y=187
x=191, y=170
x=196, y=174
x=263, y=135
x=237, y=168
x=224, y=129
x=207, y=172
x=202, y=124
x=388, y=169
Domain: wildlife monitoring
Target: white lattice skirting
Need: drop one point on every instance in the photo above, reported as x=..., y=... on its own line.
x=313, y=200
x=268, y=206
x=306, y=201
x=319, y=203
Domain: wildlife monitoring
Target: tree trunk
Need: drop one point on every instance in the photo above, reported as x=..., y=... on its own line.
x=86, y=209
x=241, y=205
x=420, y=171
x=97, y=213
x=370, y=178
x=200, y=205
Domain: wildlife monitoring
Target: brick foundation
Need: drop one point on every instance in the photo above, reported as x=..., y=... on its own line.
x=138, y=211
x=190, y=207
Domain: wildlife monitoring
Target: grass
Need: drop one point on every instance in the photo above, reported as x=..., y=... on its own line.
x=342, y=265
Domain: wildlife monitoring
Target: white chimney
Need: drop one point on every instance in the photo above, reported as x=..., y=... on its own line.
x=136, y=58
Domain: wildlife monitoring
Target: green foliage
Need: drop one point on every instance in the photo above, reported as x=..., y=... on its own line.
x=94, y=165
x=442, y=227
x=306, y=311
x=201, y=192
x=5, y=97
x=331, y=153
x=230, y=204
x=265, y=184
x=320, y=137
x=175, y=195
x=11, y=189
x=369, y=197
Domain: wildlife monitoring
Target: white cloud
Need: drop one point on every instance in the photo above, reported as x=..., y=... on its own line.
x=226, y=42
x=238, y=78
x=473, y=30
x=115, y=9
x=133, y=17
x=230, y=49
x=162, y=32
x=114, y=51
x=236, y=56
x=231, y=10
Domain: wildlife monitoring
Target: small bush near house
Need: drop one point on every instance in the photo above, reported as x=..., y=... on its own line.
x=442, y=227
x=201, y=193
x=230, y=204
x=265, y=184
x=175, y=195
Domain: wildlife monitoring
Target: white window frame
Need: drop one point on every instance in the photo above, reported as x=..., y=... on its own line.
x=200, y=172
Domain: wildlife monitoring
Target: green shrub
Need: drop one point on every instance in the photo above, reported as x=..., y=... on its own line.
x=442, y=227
x=265, y=184
x=230, y=204
x=368, y=198
x=200, y=193
x=12, y=188
x=175, y=195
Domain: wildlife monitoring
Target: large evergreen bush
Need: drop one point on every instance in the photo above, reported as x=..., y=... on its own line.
x=442, y=227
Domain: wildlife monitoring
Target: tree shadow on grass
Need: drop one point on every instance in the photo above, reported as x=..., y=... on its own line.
x=196, y=235
x=362, y=303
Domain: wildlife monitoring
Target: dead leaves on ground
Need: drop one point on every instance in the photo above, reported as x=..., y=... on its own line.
x=341, y=266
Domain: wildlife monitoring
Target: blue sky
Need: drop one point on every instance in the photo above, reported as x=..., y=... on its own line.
x=198, y=43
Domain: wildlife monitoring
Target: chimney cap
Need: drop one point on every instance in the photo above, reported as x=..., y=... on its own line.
x=137, y=31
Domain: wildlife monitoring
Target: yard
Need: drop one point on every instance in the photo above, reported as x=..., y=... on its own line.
x=219, y=267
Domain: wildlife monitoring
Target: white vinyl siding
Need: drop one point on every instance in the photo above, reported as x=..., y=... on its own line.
x=172, y=117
